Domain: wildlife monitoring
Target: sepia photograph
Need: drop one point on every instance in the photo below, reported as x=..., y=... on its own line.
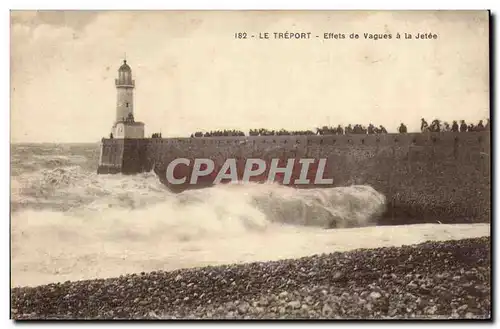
x=250, y=165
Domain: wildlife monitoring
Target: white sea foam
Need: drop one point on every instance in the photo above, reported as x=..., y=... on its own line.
x=69, y=223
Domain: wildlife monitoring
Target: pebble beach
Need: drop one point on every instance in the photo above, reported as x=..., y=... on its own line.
x=447, y=279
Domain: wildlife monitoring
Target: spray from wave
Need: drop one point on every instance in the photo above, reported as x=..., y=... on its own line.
x=70, y=223
x=76, y=193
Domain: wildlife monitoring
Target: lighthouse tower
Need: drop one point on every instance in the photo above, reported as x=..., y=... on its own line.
x=125, y=125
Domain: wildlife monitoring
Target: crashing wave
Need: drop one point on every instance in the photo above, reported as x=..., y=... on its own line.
x=73, y=189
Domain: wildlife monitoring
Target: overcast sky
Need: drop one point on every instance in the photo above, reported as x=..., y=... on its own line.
x=192, y=74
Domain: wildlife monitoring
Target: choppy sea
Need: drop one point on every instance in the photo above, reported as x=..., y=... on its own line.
x=69, y=223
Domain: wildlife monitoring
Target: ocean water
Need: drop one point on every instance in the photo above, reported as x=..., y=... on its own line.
x=68, y=223
x=62, y=180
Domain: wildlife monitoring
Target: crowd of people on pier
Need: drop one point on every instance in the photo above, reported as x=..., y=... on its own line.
x=371, y=129
x=439, y=126
x=281, y=132
x=351, y=129
x=325, y=130
x=219, y=133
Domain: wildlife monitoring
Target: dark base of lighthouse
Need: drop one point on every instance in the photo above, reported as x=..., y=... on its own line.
x=125, y=156
x=104, y=170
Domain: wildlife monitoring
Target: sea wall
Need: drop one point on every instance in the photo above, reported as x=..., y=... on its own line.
x=111, y=156
x=127, y=156
x=436, y=176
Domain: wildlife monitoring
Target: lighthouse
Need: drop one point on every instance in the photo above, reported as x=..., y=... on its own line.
x=125, y=125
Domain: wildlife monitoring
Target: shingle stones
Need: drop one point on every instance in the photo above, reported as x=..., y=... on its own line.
x=435, y=279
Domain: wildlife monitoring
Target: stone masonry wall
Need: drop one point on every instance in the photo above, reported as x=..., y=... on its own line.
x=426, y=177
